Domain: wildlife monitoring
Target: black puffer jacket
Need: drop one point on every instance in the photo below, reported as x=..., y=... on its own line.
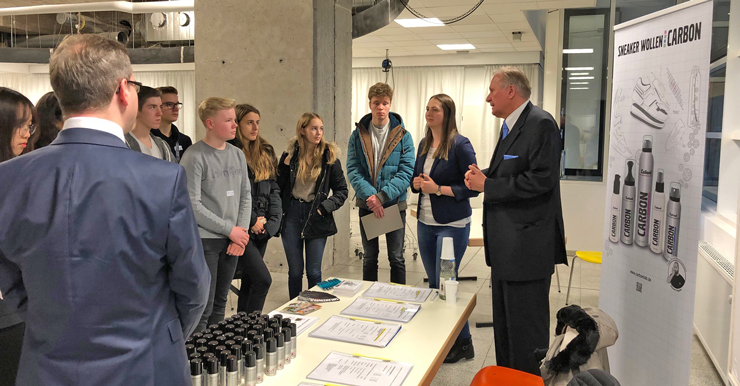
x=330, y=178
x=267, y=203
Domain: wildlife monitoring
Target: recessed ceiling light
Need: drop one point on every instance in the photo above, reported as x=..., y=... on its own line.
x=579, y=68
x=579, y=88
x=416, y=22
x=578, y=83
x=581, y=77
x=456, y=47
x=578, y=51
x=578, y=73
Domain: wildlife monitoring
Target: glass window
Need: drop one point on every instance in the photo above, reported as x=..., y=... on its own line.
x=583, y=92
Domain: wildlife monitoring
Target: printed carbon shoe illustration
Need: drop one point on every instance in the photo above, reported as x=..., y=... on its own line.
x=619, y=144
x=648, y=104
x=694, y=102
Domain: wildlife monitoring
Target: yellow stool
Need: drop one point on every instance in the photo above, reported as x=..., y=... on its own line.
x=587, y=256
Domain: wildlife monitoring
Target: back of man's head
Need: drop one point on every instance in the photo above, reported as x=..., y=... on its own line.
x=85, y=72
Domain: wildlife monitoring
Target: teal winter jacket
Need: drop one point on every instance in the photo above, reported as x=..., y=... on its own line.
x=390, y=179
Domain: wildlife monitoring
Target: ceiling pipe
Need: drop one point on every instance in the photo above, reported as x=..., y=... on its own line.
x=119, y=6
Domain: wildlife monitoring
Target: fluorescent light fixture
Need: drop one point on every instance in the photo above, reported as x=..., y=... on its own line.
x=456, y=47
x=579, y=88
x=416, y=22
x=581, y=77
x=579, y=68
x=578, y=73
x=572, y=83
x=578, y=51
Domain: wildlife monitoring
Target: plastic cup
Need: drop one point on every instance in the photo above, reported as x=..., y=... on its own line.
x=451, y=291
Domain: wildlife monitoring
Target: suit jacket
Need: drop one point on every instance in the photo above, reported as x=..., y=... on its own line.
x=449, y=172
x=523, y=217
x=99, y=245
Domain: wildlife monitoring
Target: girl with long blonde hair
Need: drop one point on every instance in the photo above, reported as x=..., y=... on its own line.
x=307, y=172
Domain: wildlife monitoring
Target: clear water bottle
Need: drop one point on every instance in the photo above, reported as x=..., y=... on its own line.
x=446, y=265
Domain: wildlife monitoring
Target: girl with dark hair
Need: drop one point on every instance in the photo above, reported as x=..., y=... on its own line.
x=444, y=201
x=266, y=208
x=50, y=119
x=17, y=125
x=307, y=171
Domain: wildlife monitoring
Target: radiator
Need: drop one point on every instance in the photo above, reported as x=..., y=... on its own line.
x=713, y=305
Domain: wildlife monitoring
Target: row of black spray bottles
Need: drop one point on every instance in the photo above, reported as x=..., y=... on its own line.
x=641, y=216
x=241, y=350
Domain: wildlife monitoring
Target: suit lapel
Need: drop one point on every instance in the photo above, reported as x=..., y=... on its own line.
x=504, y=145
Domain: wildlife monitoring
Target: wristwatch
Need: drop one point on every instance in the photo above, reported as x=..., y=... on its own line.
x=439, y=191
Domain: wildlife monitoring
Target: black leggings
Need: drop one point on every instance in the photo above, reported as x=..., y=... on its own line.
x=256, y=279
x=11, y=341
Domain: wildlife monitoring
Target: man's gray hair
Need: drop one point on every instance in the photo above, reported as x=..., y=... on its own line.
x=85, y=72
x=512, y=76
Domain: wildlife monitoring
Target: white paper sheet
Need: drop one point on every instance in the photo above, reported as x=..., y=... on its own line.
x=394, y=311
x=301, y=322
x=354, y=330
x=357, y=370
x=397, y=292
x=390, y=222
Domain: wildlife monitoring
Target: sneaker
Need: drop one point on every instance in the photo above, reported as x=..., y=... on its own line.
x=648, y=106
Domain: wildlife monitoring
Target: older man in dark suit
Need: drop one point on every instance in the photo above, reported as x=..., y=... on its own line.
x=98, y=243
x=522, y=221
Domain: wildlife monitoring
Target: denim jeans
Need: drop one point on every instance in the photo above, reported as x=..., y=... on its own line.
x=430, y=249
x=295, y=217
x=256, y=279
x=222, y=267
x=371, y=250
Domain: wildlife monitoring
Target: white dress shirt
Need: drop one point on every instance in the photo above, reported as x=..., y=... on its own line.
x=514, y=116
x=99, y=124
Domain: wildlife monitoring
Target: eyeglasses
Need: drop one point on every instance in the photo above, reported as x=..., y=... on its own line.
x=137, y=85
x=29, y=130
x=172, y=105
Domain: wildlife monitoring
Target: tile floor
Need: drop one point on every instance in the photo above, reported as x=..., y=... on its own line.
x=584, y=292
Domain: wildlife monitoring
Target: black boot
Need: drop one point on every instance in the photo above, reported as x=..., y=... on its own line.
x=463, y=348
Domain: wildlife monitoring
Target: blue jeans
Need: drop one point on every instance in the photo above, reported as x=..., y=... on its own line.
x=295, y=217
x=430, y=249
x=371, y=250
x=222, y=267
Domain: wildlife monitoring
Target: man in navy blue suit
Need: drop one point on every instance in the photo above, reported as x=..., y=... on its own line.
x=98, y=243
x=523, y=228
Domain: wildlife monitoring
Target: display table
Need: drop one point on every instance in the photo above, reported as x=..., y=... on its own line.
x=424, y=341
x=476, y=227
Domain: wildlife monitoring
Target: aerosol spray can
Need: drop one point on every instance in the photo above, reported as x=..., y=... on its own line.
x=196, y=372
x=223, y=357
x=614, y=220
x=657, y=215
x=232, y=371
x=288, y=343
x=236, y=350
x=250, y=365
x=259, y=349
x=271, y=357
x=212, y=372
x=280, y=351
x=672, y=222
x=645, y=187
x=293, y=333
x=628, y=205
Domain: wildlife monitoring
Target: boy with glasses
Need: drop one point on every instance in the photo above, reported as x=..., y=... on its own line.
x=167, y=130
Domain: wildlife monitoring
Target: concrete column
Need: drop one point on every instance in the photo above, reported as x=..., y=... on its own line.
x=285, y=57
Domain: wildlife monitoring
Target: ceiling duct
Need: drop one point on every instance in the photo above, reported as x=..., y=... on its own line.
x=51, y=41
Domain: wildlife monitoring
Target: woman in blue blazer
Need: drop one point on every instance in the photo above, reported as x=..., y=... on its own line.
x=444, y=200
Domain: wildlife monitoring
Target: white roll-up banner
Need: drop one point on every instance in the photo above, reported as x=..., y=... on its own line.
x=654, y=190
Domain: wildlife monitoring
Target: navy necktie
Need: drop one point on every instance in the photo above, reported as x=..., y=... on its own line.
x=505, y=130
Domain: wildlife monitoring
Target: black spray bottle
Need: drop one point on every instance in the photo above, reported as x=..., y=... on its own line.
x=672, y=222
x=657, y=215
x=628, y=205
x=615, y=212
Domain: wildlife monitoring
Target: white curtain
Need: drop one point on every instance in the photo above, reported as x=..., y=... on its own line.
x=491, y=127
x=34, y=86
x=412, y=88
